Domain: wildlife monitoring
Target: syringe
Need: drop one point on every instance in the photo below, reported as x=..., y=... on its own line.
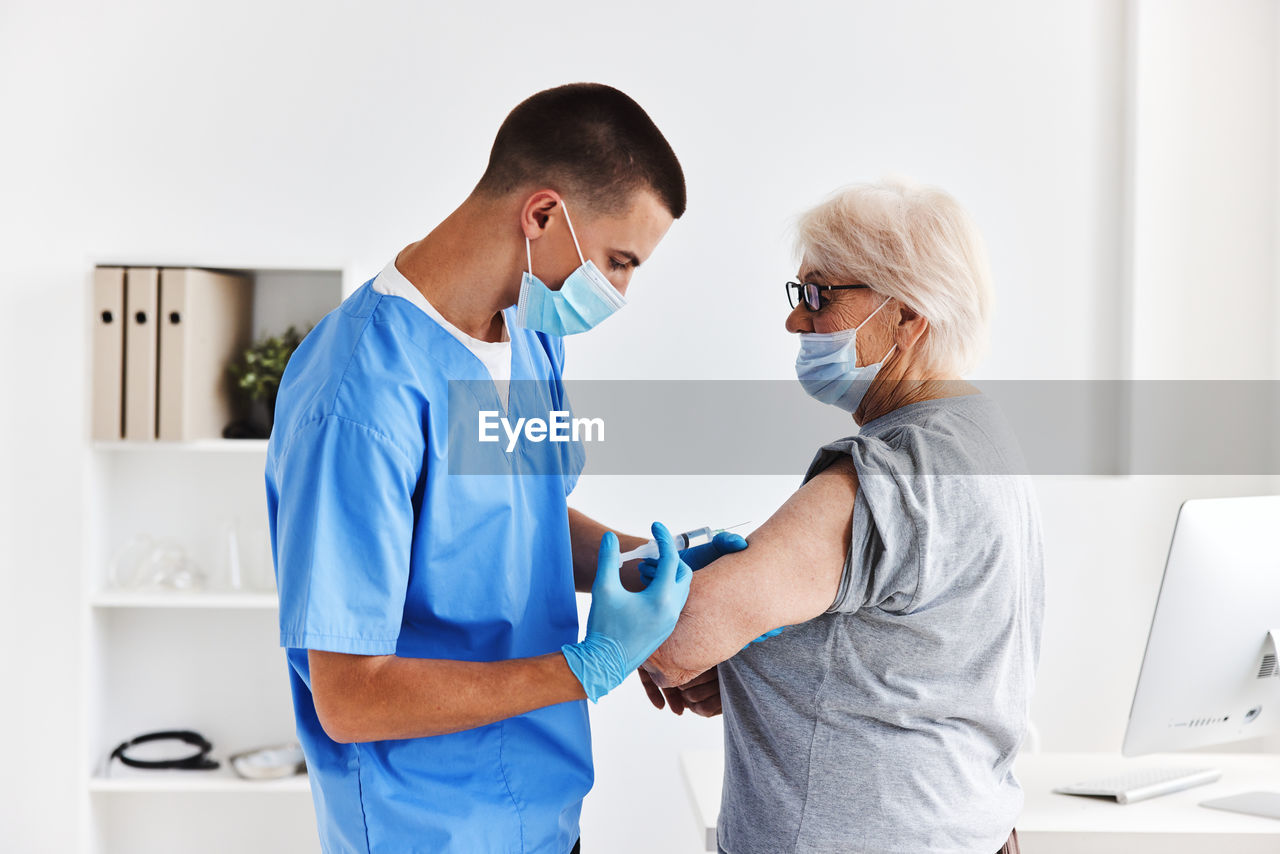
x=687, y=540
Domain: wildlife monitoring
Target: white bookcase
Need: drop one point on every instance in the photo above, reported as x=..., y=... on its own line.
x=207, y=660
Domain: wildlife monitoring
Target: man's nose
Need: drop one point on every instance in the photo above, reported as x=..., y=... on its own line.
x=800, y=319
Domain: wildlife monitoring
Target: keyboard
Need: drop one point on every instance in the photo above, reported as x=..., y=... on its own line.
x=1138, y=785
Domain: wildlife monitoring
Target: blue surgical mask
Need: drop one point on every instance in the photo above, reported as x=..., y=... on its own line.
x=827, y=366
x=585, y=298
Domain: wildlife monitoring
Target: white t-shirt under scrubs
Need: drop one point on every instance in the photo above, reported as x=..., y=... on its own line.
x=495, y=355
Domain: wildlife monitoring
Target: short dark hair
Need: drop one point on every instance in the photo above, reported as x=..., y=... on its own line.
x=587, y=141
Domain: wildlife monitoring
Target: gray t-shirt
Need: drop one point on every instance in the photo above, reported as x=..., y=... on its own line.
x=891, y=722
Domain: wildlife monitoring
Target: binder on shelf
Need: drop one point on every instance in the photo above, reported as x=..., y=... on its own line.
x=205, y=323
x=108, y=353
x=142, y=301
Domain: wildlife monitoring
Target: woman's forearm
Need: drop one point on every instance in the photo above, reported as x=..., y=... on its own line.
x=709, y=630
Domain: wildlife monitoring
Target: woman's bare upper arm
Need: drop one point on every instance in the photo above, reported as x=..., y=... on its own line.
x=792, y=569
x=789, y=574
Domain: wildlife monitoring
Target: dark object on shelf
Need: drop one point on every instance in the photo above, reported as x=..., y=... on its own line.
x=246, y=428
x=255, y=377
x=195, y=762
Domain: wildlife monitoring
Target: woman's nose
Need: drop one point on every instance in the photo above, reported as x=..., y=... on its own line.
x=800, y=319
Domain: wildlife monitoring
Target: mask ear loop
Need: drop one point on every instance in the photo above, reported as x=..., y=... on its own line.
x=571, y=232
x=864, y=323
x=872, y=314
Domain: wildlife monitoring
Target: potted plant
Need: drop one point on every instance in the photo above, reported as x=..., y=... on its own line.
x=255, y=379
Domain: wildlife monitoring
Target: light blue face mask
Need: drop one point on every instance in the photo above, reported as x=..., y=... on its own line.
x=585, y=298
x=827, y=366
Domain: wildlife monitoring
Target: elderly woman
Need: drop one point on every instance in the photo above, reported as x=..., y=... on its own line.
x=907, y=567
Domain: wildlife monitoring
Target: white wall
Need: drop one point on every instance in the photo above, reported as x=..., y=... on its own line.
x=290, y=133
x=1206, y=168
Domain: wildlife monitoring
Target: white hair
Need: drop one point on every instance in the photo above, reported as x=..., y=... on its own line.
x=913, y=243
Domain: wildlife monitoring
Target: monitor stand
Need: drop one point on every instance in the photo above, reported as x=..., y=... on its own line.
x=1265, y=804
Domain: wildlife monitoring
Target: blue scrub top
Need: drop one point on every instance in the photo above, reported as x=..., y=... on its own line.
x=379, y=550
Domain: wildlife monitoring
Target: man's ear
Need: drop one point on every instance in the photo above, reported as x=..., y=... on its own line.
x=536, y=213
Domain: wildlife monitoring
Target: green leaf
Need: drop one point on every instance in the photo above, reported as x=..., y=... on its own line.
x=257, y=371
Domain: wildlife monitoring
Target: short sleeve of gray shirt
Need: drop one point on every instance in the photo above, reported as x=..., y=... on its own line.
x=904, y=463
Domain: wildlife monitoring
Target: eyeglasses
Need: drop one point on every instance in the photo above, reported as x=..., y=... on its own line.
x=811, y=294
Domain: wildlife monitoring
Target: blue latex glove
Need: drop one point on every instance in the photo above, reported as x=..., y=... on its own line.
x=769, y=634
x=722, y=544
x=698, y=557
x=624, y=628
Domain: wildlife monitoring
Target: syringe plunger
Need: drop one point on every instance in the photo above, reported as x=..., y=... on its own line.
x=683, y=541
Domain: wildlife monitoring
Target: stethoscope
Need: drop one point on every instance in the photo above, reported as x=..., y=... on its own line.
x=196, y=762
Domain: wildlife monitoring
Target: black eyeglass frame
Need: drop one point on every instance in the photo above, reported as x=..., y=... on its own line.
x=810, y=293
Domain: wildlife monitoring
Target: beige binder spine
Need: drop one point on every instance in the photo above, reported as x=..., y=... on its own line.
x=205, y=322
x=142, y=300
x=107, y=421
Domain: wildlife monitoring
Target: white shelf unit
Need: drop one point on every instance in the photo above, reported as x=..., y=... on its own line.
x=177, y=782
x=207, y=659
x=235, y=599
x=207, y=446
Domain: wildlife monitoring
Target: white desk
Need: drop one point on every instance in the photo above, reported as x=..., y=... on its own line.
x=1062, y=824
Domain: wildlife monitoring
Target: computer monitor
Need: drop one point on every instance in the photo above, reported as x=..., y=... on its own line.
x=1210, y=673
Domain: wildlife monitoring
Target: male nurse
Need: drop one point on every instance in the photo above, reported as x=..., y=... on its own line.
x=429, y=618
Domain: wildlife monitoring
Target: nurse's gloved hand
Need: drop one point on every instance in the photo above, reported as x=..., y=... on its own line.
x=724, y=543
x=624, y=628
x=698, y=557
